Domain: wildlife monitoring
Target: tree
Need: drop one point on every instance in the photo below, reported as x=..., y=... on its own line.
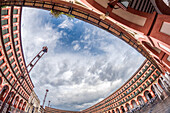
x=60, y=13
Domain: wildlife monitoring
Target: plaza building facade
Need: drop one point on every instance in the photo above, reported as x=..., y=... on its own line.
x=15, y=83
x=143, y=24
x=33, y=105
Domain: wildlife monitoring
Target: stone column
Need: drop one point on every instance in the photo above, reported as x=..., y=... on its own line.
x=151, y=92
x=144, y=98
x=164, y=84
x=166, y=79
x=157, y=92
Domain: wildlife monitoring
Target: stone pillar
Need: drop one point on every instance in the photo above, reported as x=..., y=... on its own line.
x=159, y=87
x=164, y=84
x=166, y=79
x=137, y=102
x=151, y=92
x=157, y=92
x=144, y=98
x=131, y=106
x=125, y=108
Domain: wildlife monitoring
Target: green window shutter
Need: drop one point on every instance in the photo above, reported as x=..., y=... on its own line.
x=4, y=12
x=153, y=67
x=18, y=74
x=16, y=42
x=18, y=55
x=158, y=72
x=12, y=60
x=141, y=89
x=6, y=40
x=20, y=60
x=151, y=79
x=1, y=62
x=5, y=31
x=17, y=49
x=14, y=28
x=7, y=74
x=16, y=71
x=154, y=76
x=14, y=20
x=4, y=22
x=14, y=66
x=8, y=48
x=15, y=11
x=147, y=83
x=4, y=68
x=15, y=35
x=10, y=78
x=10, y=54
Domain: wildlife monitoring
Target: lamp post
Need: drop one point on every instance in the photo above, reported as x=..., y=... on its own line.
x=45, y=97
x=22, y=77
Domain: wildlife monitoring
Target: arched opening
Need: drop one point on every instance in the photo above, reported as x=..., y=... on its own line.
x=20, y=104
x=153, y=90
x=148, y=95
x=117, y=110
x=122, y=108
x=128, y=107
x=140, y=100
x=24, y=105
x=133, y=102
x=16, y=101
x=113, y=111
x=4, y=92
x=161, y=84
x=11, y=95
x=0, y=80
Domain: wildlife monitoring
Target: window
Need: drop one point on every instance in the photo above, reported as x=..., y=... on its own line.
x=7, y=74
x=1, y=62
x=10, y=54
x=4, y=68
x=13, y=82
x=15, y=11
x=6, y=40
x=18, y=55
x=4, y=22
x=14, y=20
x=18, y=74
x=158, y=72
x=15, y=35
x=12, y=60
x=16, y=42
x=4, y=12
x=10, y=78
x=20, y=60
x=0, y=53
x=16, y=71
x=17, y=49
x=8, y=48
x=14, y=66
x=5, y=31
x=14, y=28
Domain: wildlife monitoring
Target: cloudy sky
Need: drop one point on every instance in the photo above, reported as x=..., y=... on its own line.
x=84, y=64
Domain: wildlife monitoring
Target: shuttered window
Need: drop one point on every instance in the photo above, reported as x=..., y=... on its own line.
x=6, y=40
x=5, y=31
x=15, y=11
x=4, y=22
x=4, y=12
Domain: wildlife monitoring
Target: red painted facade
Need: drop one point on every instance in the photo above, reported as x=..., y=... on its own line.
x=142, y=26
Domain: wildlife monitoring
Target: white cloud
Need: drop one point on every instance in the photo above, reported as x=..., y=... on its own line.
x=75, y=80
